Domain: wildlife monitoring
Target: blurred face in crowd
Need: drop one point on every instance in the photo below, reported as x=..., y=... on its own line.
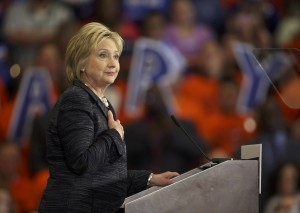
x=183, y=12
x=102, y=66
x=213, y=60
x=245, y=25
x=51, y=59
x=228, y=97
x=154, y=26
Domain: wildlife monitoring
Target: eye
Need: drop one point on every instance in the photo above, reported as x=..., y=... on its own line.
x=103, y=55
x=116, y=56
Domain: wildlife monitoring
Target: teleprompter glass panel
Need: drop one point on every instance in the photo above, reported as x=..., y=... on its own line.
x=282, y=66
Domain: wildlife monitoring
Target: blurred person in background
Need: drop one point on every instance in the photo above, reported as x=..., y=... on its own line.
x=65, y=32
x=20, y=186
x=288, y=31
x=51, y=57
x=270, y=11
x=156, y=143
x=4, y=4
x=247, y=25
x=135, y=11
x=231, y=66
x=286, y=198
x=226, y=129
x=37, y=21
x=7, y=204
x=273, y=135
x=212, y=13
x=83, y=9
x=184, y=33
x=153, y=25
x=197, y=92
x=110, y=13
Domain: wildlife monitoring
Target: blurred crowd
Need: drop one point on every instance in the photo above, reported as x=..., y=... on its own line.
x=35, y=33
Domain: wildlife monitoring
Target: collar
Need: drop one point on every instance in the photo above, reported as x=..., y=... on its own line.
x=101, y=105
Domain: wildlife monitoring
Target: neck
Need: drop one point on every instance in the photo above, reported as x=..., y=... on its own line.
x=98, y=91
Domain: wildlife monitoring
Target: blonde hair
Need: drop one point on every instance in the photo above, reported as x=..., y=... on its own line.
x=83, y=43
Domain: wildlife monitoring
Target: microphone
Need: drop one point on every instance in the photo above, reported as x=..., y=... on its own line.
x=214, y=160
x=178, y=124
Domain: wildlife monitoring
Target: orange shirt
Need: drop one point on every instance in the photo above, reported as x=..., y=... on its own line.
x=228, y=132
x=197, y=99
x=24, y=195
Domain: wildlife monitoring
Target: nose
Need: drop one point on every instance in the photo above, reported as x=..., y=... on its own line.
x=112, y=62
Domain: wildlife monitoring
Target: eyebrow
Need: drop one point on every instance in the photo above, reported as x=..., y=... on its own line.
x=107, y=50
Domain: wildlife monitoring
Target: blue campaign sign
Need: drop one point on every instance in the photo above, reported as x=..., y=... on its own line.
x=153, y=63
x=257, y=77
x=34, y=97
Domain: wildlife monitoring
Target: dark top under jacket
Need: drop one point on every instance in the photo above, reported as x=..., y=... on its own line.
x=88, y=163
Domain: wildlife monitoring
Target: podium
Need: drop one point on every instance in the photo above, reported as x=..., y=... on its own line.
x=228, y=187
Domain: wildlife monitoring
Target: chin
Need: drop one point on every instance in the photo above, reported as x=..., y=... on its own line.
x=109, y=82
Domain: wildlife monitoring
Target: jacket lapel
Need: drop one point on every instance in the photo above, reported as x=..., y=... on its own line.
x=94, y=96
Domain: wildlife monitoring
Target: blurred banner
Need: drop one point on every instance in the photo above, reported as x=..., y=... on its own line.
x=288, y=83
x=258, y=73
x=153, y=63
x=34, y=97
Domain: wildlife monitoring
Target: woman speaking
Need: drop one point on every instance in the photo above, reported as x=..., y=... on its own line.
x=85, y=146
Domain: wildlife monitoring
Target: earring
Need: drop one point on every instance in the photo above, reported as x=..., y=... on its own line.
x=82, y=70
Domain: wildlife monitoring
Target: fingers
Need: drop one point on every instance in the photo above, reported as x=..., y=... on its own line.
x=110, y=116
x=167, y=182
x=164, y=179
x=171, y=174
x=168, y=176
x=115, y=124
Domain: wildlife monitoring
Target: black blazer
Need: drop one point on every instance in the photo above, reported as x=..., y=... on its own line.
x=87, y=160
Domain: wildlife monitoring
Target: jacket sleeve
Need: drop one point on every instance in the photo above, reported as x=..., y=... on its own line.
x=137, y=181
x=83, y=152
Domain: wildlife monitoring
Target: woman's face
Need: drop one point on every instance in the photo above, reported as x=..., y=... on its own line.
x=102, y=66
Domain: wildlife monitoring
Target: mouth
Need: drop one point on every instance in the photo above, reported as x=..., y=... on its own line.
x=110, y=73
